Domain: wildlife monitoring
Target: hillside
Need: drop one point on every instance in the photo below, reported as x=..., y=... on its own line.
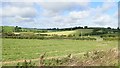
x=75, y=31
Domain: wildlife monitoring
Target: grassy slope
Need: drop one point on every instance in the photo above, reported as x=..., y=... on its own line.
x=83, y=31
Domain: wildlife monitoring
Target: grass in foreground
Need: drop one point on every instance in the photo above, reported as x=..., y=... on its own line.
x=21, y=49
x=93, y=58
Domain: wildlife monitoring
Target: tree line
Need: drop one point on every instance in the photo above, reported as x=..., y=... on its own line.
x=20, y=29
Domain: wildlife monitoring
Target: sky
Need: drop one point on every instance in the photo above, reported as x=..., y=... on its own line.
x=59, y=14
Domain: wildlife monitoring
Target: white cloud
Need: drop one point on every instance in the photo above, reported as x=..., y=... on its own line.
x=45, y=0
x=17, y=19
x=54, y=8
x=105, y=19
x=52, y=13
x=15, y=12
x=108, y=5
x=58, y=18
x=79, y=14
x=96, y=16
x=19, y=4
x=9, y=11
x=116, y=14
x=21, y=19
x=59, y=0
x=74, y=18
x=49, y=13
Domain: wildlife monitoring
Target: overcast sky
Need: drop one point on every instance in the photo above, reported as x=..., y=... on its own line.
x=59, y=14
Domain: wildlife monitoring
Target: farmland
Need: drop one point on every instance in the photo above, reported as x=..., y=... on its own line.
x=19, y=44
x=17, y=49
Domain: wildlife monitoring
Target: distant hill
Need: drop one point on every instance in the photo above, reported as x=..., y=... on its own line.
x=77, y=31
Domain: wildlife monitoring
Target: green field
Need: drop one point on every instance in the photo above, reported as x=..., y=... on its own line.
x=21, y=49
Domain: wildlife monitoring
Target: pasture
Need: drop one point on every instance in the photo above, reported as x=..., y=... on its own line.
x=21, y=49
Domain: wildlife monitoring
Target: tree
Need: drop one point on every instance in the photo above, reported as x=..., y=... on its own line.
x=17, y=29
x=85, y=27
x=108, y=28
x=118, y=28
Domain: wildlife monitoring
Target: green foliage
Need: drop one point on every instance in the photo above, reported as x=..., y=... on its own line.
x=18, y=29
x=7, y=29
x=109, y=35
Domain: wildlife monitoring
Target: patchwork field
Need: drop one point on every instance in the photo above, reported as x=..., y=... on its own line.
x=16, y=50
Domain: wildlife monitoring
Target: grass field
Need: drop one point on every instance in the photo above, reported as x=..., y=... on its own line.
x=84, y=31
x=20, y=49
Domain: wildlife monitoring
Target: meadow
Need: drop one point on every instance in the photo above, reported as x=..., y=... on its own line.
x=21, y=49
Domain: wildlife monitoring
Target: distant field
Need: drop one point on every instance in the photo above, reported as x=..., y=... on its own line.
x=84, y=31
x=61, y=32
x=20, y=49
x=76, y=32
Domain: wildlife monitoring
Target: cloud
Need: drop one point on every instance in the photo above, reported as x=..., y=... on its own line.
x=45, y=0
x=59, y=14
x=15, y=11
x=79, y=14
x=18, y=9
x=72, y=19
x=19, y=4
x=90, y=16
x=54, y=8
x=108, y=5
x=105, y=19
x=60, y=0
x=21, y=19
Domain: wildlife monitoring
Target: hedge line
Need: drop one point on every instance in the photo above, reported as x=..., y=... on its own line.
x=110, y=38
x=42, y=37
